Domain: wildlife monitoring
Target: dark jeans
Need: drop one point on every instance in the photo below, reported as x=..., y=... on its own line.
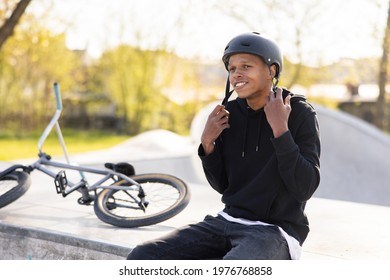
x=216, y=238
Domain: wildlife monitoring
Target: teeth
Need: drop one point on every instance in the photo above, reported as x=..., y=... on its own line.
x=240, y=84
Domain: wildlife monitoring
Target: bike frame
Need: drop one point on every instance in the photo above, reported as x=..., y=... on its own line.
x=107, y=174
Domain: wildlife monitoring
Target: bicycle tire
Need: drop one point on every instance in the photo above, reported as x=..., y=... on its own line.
x=13, y=186
x=157, y=188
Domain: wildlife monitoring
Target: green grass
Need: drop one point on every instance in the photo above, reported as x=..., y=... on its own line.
x=14, y=147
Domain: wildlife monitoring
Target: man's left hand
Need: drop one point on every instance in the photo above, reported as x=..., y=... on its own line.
x=278, y=111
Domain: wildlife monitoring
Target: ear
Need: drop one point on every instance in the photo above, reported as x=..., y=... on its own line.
x=272, y=71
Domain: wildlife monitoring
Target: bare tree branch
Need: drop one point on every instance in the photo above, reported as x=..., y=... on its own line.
x=383, y=75
x=7, y=29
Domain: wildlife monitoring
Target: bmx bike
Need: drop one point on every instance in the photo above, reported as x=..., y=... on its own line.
x=119, y=196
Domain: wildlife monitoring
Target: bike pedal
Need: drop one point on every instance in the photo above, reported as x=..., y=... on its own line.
x=87, y=202
x=61, y=182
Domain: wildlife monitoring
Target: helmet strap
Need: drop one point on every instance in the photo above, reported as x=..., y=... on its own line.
x=227, y=92
x=275, y=82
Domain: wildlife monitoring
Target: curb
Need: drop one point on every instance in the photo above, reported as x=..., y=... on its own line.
x=18, y=243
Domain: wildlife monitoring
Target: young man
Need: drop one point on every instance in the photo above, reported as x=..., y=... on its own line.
x=261, y=152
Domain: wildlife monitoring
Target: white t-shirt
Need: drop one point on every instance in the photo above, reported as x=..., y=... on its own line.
x=293, y=244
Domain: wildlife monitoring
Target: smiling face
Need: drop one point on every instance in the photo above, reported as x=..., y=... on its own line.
x=250, y=78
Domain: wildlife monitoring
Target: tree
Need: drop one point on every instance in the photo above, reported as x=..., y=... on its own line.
x=30, y=62
x=383, y=73
x=127, y=74
x=7, y=29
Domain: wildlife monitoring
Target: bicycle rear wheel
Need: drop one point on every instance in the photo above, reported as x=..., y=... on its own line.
x=166, y=196
x=13, y=186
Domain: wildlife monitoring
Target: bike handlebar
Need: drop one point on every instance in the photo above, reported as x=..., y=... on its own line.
x=58, y=96
x=54, y=120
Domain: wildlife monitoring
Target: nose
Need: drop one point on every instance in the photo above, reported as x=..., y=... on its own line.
x=236, y=73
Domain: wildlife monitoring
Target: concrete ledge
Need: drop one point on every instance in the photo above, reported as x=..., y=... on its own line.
x=21, y=243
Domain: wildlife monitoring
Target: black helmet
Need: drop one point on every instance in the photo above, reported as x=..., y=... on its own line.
x=257, y=44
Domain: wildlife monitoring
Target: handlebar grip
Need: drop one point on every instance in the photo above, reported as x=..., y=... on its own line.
x=58, y=96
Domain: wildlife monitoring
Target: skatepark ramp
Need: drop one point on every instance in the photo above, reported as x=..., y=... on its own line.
x=355, y=159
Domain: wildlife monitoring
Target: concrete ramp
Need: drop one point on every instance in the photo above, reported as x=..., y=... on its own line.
x=355, y=159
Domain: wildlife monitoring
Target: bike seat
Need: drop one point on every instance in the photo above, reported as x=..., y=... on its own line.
x=122, y=167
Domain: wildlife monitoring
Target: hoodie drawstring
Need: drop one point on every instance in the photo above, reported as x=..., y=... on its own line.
x=258, y=133
x=244, y=140
x=246, y=130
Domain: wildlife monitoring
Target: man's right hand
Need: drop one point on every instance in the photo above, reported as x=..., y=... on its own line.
x=217, y=121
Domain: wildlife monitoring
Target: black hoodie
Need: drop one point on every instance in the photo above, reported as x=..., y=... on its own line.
x=262, y=178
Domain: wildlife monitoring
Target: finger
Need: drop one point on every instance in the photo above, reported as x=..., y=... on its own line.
x=217, y=109
x=224, y=118
x=225, y=126
x=287, y=100
x=223, y=114
x=278, y=93
x=271, y=95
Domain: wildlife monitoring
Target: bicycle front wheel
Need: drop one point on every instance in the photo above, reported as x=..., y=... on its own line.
x=166, y=196
x=13, y=186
